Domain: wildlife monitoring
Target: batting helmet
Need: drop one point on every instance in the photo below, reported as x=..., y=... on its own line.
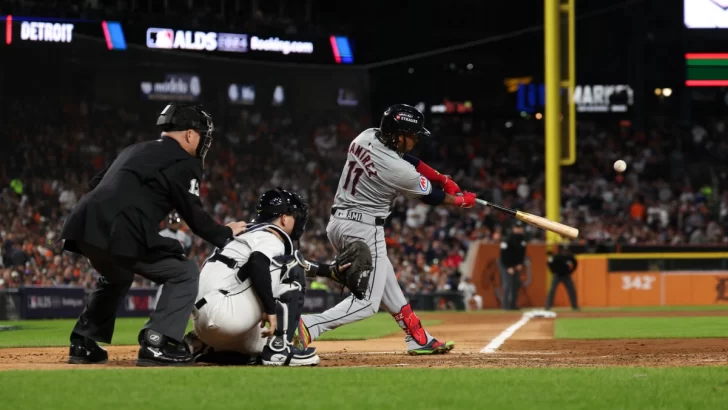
x=277, y=202
x=181, y=117
x=401, y=119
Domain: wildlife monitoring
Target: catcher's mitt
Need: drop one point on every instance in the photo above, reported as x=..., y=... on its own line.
x=356, y=276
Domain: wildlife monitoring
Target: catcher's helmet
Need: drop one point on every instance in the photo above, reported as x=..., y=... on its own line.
x=182, y=117
x=401, y=119
x=277, y=202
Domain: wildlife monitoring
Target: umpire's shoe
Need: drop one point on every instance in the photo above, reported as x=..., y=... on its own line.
x=278, y=352
x=85, y=351
x=158, y=350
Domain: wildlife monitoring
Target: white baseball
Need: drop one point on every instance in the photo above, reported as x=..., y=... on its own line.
x=620, y=166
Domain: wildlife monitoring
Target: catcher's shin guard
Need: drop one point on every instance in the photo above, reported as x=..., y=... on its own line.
x=279, y=351
x=288, y=310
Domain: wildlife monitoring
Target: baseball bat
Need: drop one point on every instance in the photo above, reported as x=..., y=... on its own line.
x=535, y=220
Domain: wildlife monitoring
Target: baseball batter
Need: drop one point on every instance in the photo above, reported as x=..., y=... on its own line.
x=376, y=172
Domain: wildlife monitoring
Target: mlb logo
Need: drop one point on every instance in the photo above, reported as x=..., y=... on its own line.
x=160, y=38
x=424, y=183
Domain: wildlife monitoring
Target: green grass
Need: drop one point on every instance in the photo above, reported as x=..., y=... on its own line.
x=36, y=333
x=641, y=327
x=331, y=388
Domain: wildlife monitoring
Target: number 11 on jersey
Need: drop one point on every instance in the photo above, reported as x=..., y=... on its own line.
x=357, y=171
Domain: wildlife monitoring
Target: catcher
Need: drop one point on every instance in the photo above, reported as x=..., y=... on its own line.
x=259, y=278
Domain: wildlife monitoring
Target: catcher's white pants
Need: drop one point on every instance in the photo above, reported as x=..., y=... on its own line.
x=232, y=322
x=383, y=287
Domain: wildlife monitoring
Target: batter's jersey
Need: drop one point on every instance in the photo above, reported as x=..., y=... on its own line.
x=374, y=175
x=257, y=238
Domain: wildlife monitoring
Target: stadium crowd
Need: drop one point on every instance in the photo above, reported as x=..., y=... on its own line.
x=668, y=195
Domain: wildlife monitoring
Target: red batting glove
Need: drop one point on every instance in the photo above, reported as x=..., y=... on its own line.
x=449, y=186
x=466, y=200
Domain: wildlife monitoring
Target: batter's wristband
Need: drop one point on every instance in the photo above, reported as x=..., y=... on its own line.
x=429, y=173
x=323, y=270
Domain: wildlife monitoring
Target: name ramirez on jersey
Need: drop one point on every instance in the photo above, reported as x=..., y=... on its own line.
x=374, y=176
x=364, y=156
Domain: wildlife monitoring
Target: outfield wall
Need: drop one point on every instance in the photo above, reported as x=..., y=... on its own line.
x=67, y=302
x=612, y=280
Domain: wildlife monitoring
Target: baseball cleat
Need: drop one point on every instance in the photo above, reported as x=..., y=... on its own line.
x=433, y=347
x=194, y=344
x=86, y=351
x=280, y=353
x=301, y=338
x=157, y=350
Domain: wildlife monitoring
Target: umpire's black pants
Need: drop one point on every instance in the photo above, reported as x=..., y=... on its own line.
x=570, y=289
x=179, y=276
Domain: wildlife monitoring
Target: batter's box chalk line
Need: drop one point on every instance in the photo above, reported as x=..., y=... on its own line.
x=508, y=332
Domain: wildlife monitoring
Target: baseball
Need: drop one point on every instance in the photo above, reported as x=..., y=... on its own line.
x=620, y=166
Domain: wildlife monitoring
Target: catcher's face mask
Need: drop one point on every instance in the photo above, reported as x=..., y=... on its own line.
x=300, y=210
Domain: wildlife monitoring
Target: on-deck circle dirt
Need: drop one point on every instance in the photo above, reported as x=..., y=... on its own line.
x=531, y=346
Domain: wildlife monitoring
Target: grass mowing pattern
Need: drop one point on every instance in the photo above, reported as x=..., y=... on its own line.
x=258, y=388
x=641, y=327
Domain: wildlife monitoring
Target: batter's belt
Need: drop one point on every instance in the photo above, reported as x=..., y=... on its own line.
x=357, y=217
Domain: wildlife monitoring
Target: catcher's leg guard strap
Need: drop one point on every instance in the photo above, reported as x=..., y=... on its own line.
x=289, y=308
x=411, y=324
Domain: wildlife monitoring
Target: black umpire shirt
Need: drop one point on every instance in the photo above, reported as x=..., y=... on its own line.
x=559, y=264
x=513, y=250
x=127, y=201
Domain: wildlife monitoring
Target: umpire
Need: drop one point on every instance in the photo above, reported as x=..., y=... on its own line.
x=562, y=265
x=512, y=258
x=115, y=225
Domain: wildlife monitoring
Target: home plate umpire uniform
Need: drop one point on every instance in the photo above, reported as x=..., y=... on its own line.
x=115, y=226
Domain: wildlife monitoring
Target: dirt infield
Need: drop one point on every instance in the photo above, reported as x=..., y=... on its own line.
x=531, y=346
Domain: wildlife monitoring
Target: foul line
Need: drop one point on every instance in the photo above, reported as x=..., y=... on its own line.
x=501, y=338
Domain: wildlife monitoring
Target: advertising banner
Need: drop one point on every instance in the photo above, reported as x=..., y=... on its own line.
x=705, y=14
x=588, y=98
x=317, y=301
x=10, y=304
x=138, y=302
x=314, y=49
x=243, y=94
x=50, y=303
x=37, y=31
x=56, y=32
x=174, y=87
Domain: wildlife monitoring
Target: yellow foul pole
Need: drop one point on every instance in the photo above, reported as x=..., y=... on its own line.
x=552, y=68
